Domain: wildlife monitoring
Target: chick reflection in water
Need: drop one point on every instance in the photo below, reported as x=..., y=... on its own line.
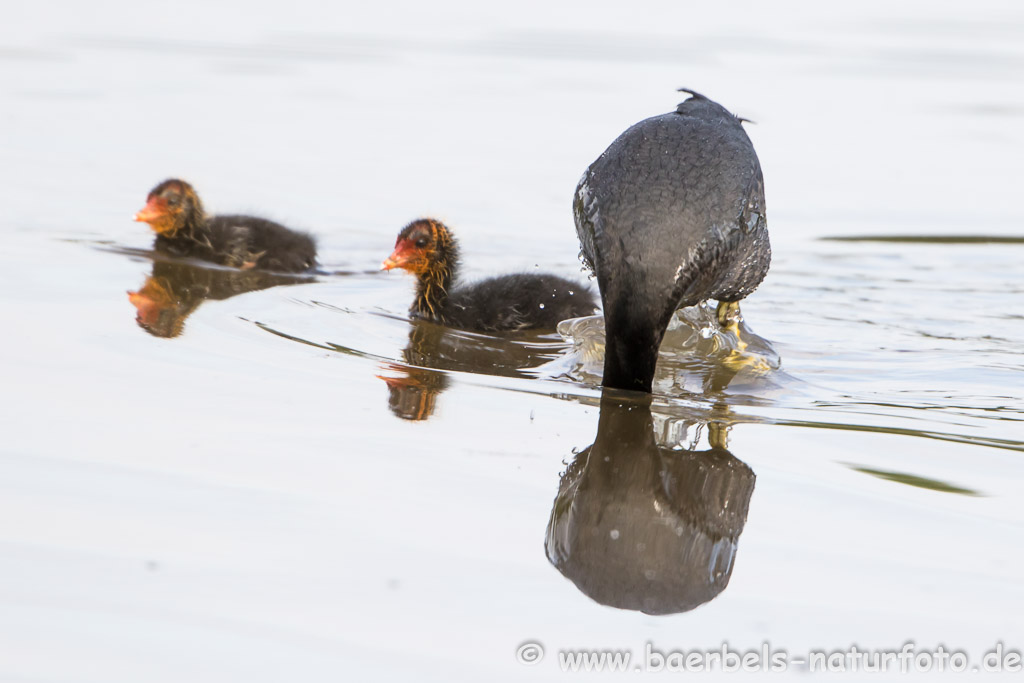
x=174, y=290
x=432, y=349
x=645, y=527
x=413, y=389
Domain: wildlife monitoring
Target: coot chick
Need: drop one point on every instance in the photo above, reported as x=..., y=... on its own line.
x=519, y=301
x=174, y=212
x=671, y=214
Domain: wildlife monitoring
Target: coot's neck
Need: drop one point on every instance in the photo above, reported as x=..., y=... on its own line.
x=630, y=366
x=434, y=284
x=633, y=335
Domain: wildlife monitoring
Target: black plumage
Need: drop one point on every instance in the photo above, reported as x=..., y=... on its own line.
x=517, y=301
x=671, y=214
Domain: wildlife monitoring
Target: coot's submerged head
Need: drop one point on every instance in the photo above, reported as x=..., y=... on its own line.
x=170, y=206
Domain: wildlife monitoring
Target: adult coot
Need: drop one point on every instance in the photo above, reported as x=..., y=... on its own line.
x=671, y=214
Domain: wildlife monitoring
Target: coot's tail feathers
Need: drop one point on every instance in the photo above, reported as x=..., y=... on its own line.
x=697, y=96
x=691, y=92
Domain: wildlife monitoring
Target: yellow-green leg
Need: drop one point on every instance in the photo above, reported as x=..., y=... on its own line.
x=728, y=311
x=718, y=435
x=729, y=318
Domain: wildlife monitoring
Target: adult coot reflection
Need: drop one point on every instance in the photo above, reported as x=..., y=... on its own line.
x=641, y=526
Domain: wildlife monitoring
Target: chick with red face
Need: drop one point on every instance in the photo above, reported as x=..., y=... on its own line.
x=175, y=213
x=170, y=206
x=518, y=301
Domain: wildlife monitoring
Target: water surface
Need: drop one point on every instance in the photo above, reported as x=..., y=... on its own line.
x=272, y=480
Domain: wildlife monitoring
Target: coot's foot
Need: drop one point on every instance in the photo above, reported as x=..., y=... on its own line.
x=718, y=435
x=729, y=318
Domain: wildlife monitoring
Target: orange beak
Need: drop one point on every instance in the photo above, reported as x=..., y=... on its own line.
x=397, y=259
x=396, y=382
x=150, y=212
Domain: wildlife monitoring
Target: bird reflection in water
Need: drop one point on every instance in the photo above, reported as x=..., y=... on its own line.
x=696, y=358
x=413, y=388
x=643, y=526
x=174, y=290
x=433, y=350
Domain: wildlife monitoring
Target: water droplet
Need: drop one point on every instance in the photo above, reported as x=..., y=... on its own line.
x=542, y=305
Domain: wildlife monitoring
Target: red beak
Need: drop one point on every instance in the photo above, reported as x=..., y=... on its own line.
x=150, y=212
x=397, y=259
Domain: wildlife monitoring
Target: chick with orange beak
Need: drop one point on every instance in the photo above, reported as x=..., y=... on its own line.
x=175, y=213
x=171, y=207
x=519, y=301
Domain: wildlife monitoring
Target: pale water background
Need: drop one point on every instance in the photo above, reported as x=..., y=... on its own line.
x=247, y=501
